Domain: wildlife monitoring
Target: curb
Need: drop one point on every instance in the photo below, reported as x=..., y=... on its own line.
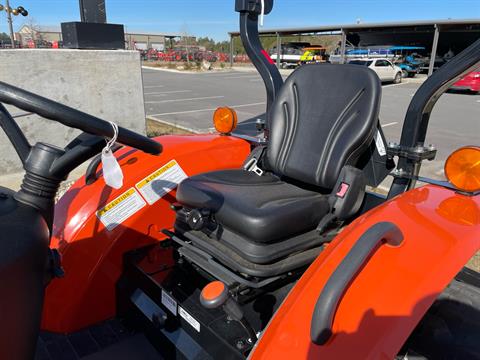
x=176, y=126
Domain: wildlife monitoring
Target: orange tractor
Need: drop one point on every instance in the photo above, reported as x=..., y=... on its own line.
x=225, y=246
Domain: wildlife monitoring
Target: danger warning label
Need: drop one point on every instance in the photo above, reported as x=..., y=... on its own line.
x=120, y=209
x=161, y=182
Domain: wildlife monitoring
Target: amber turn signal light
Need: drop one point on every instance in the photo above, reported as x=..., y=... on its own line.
x=462, y=168
x=225, y=120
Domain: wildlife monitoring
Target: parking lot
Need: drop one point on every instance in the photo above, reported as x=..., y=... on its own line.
x=188, y=100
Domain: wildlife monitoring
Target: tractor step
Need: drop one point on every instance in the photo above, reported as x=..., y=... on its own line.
x=108, y=340
x=160, y=298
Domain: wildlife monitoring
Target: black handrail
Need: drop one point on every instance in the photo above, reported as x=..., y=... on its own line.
x=345, y=273
x=416, y=121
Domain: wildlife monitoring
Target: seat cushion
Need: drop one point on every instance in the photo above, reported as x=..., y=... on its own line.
x=261, y=208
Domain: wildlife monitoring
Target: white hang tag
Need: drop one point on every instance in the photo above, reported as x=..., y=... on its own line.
x=112, y=172
x=263, y=13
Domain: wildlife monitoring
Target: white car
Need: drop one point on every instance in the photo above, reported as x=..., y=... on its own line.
x=384, y=68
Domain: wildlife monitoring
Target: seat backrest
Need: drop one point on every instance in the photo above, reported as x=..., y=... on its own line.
x=325, y=117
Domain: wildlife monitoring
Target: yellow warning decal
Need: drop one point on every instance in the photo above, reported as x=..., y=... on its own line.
x=161, y=182
x=156, y=174
x=120, y=209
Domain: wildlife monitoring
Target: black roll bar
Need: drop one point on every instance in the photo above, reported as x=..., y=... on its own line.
x=249, y=11
x=345, y=273
x=417, y=118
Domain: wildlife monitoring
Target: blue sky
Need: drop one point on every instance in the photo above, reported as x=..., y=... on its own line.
x=215, y=18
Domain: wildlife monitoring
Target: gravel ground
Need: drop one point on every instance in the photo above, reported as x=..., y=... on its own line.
x=474, y=263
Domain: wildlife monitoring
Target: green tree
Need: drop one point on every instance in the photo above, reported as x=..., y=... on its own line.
x=4, y=37
x=206, y=42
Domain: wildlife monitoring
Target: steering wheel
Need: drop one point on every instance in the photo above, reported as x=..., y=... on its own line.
x=73, y=118
x=83, y=147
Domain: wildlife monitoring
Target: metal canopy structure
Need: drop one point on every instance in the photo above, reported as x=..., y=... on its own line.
x=353, y=27
x=435, y=35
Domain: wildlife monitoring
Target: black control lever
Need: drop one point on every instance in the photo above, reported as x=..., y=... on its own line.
x=14, y=134
x=216, y=295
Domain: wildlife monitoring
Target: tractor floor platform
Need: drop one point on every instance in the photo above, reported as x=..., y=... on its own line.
x=108, y=340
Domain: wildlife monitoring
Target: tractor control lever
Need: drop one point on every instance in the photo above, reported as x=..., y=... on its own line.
x=216, y=294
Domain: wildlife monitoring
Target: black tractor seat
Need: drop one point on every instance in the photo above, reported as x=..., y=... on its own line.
x=322, y=123
x=240, y=202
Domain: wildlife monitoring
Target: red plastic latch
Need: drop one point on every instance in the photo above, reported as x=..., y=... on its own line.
x=342, y=190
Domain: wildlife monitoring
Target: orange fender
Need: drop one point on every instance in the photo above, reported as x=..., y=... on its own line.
x=393, y=290
x=91, y=254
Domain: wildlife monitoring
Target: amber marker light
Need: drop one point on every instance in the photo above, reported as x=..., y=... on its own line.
x=462, y=168
x=225, y=120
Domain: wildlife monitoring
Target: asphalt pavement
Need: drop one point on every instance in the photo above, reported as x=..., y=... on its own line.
x=188, y=100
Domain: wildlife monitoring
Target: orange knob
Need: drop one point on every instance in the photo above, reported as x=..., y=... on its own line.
x=214, y=295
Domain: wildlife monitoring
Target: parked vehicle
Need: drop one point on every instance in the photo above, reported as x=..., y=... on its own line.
x=241, y=58
x=205, y=55
x=223, y=57
x=384, y=68
x=153, y=54
x=408, y=69
x=228, y=246
x=471, y=82
x=290, y=54
x=353, y=53
x=314, y=55
x=407, y=59
x=408, y=55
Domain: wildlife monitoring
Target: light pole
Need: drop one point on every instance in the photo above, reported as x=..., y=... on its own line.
x=20, y=10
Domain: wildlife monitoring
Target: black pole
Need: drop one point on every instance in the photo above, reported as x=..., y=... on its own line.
x=249, y=12
x=93, y=11
x=10, y=23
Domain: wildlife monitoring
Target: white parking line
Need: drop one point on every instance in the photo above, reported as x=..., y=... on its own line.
x=179, y=100
x=390, y=85
x=221, y=73
x=168, y=92
x=212, y=109
x=153, y=86
x=241, y=77
x=390, y=124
